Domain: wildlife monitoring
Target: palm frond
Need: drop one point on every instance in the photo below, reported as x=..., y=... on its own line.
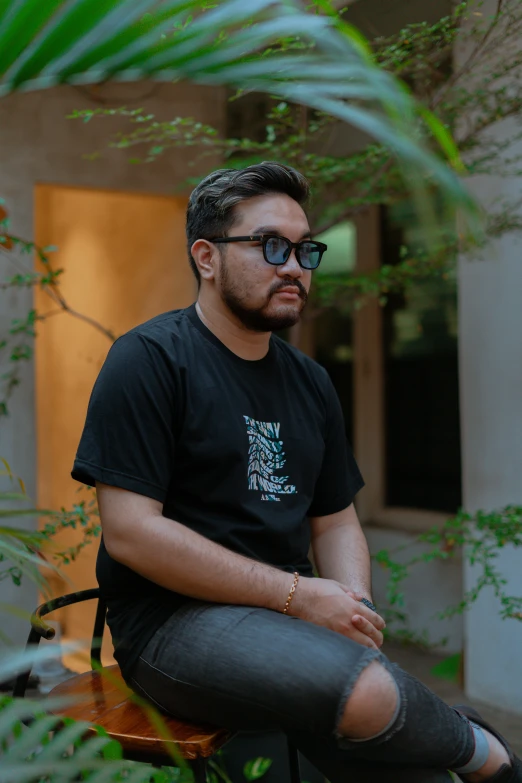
x=37, y=746
x=15, y=661
x=235, y=43
x=20, y=547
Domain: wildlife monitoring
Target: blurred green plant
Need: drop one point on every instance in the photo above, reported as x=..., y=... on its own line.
x=305, y=57
x=470, y=99
x=53, y=749
x=18, y=345
x=26, y=551
x=256, y=768
x=38, y=746
x=479, y=538
x=309, y=56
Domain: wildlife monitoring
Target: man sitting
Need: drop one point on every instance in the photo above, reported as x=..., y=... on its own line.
x=219, y=455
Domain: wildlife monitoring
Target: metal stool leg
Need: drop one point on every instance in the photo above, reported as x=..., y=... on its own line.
x=199, y=768
x=293, y=761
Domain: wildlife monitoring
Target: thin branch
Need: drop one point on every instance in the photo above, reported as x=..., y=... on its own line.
x=107, y=332
x=53, y=291
x=44, y=316
x=353, y=211
x=469, y=62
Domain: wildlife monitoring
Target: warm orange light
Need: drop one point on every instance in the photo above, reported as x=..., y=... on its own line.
x=124, y=262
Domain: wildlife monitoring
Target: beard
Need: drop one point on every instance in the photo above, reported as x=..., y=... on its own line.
x=260, y=319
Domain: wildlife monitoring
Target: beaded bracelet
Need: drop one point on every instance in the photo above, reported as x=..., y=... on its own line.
x=291, y=593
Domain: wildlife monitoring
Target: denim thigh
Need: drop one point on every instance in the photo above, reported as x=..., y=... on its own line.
x=249, y=668
x=253, y=669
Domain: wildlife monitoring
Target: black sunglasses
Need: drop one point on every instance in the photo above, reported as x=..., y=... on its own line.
x=276, y=249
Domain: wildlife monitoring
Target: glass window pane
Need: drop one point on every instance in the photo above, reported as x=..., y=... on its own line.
x=333, y=331
x=340, y=256
x=422, y=427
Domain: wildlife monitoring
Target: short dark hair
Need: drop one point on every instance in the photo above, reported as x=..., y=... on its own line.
x=210, y=211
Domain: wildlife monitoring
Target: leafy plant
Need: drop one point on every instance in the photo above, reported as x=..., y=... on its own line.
x=18, y=547
x=480, y=537
x=18, y=344
x=40, y=747
x=256, y=768
x=344, y=185
x=51, y=748
x=273, y=46
x=26, y=551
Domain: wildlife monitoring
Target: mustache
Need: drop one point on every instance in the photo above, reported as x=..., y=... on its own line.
x=295, y=283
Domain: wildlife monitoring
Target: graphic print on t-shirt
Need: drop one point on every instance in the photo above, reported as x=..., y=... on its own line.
x=266, y=455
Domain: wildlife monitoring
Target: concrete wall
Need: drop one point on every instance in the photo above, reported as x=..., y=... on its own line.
x=430, y=589
x=491, y=404
x=39, y=145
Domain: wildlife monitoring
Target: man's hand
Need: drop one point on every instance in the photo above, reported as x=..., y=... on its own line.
x=331, y=604
x=360, y=622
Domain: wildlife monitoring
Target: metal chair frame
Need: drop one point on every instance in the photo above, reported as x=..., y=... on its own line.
x=41, y=630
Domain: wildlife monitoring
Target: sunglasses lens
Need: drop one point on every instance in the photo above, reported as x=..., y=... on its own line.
x=310, y=255
x=277, y=250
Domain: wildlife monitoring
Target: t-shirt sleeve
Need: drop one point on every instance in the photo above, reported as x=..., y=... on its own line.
x=340, y=479
x=129, y=436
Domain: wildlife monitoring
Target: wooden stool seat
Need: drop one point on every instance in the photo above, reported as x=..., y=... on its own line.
x=103, y=698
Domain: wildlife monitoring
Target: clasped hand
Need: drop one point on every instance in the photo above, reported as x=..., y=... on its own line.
x=332, y=605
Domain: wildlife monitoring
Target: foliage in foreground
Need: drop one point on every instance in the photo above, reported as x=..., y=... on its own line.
x=24, y=551
x=480, y=538
x=343, y=185
x=50, y=748
x=38, y=747
x=474, y=97
x=277, y=47
x=309, y=58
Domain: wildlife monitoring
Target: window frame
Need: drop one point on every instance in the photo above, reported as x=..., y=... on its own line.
x=369, y=401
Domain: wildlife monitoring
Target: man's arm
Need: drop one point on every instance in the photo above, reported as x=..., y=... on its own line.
x=168, y=553
x=341, y=551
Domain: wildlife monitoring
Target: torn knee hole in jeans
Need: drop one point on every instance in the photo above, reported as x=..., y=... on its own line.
x=392, y=725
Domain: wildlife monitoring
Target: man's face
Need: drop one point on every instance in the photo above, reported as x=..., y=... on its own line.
x=264, y=297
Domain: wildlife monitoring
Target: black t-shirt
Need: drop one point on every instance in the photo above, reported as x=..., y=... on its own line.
x=240, y=451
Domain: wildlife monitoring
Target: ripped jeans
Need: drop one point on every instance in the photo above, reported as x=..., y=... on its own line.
x=253, y=669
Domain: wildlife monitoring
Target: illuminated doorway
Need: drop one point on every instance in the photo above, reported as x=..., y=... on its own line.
x=124, y=261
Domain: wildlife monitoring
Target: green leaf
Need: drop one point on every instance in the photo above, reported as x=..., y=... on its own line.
x=256, y=768
x=52, y=748
x=245, y=45
x=449, y=668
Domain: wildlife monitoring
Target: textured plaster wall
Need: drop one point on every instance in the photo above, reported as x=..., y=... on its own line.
x=491, y=404
x=430, y=589
x=490, y=332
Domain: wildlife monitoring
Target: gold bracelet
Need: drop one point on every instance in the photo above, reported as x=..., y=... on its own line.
x=291, y=593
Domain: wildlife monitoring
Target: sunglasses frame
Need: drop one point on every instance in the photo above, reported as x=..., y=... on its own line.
x=292, y=245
